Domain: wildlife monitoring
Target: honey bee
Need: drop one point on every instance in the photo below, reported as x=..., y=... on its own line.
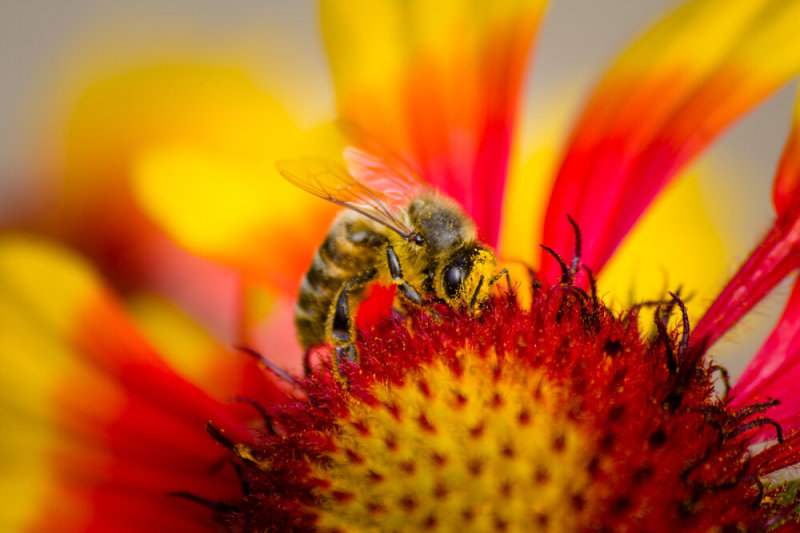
x=396, y=229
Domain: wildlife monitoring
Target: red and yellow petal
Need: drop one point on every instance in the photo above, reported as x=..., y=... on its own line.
x=660, y=104
x=440, y=86
x=106, y=427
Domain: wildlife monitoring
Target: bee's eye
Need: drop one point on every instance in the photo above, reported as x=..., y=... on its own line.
x=453, y=277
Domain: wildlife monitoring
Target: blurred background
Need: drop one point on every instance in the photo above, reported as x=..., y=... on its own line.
x=52, y=54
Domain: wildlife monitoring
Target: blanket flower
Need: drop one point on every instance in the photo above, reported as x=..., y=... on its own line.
x=544, y=410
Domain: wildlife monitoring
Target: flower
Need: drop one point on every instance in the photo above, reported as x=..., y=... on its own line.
x=554, y=414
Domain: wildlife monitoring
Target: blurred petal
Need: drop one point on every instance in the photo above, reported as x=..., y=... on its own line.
x=231, y=206
x=218, y=122
x=440, y=86
x=108, y=428
x=195, y=354
x=774, y=257
x=663, y=101
x=115, y=119
x=786, y=190
x=275, y=336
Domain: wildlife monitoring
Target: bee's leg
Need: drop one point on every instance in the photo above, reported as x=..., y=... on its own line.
x=499, y=275
x=342, y=324
x=474, y=300
x=397, y=277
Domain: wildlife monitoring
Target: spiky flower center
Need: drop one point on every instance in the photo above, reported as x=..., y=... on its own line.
x=557, y=417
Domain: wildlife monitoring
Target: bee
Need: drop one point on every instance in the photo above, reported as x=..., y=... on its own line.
x=397, y=230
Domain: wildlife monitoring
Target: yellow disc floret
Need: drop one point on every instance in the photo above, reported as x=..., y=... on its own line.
x=475, y=446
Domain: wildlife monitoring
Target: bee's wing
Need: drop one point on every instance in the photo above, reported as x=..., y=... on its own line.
x=379, y=168
x=330, y=181
x=386, y=173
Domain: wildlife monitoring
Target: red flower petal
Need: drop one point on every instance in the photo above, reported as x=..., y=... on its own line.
x=664, y=100
x=124, y=430
x=775, y=370
x=440, y=86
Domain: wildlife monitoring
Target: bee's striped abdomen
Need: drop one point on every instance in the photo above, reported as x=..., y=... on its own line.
x=352, y=246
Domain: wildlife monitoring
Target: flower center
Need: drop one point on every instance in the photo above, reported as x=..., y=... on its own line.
x=557, y=417
x=481, y=446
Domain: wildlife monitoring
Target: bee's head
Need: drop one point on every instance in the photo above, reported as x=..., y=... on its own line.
x=465, y=279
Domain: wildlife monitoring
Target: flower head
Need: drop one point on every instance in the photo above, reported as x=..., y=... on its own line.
x=536, y=408
x=561, y=417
